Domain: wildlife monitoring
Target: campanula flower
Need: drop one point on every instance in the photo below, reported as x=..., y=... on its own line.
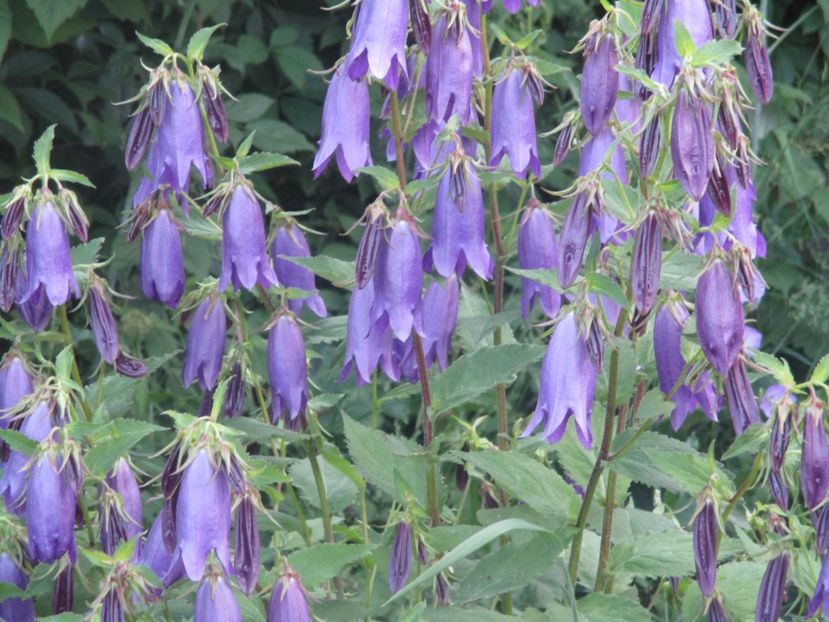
x=154, y=554
x=513, y=121
x=646, y=264
x=15, y=384
x=740, y=397
x=205, y=344
x=215, y=602
x=35, y=426
x=537, y=250
x=15, y=609
x=247, y=550
x=449, y=71
x=378, y=46
x=48, y=257
x=51, y=493
x=573, y=240
x=440, y=313
x=814, y=462
x=104, y=328
x=290, y=242
x=400, y=558
x=599, y=83
x=162, y=260
x=720, y=318
x=705, y=547
x=365, y=341
x=287, y=371
x=288, y=602
x=122, y=480
x=820, y=600
x=695, y=16
x=692, y=144
x=772, y=590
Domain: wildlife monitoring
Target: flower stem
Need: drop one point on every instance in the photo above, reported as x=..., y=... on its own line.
x=313, y=452
x=76, y=374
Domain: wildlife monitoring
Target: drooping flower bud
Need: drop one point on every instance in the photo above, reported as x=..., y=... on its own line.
x=15, y=384
x=63, y=593
x=215, y=601
x=75, y=216
x=48, y=257
x=247, y=551
x=740, y=397
x=723, y=18
x=458, y=226
x=440, y=313
x=820, y=600
x=15, y=609
x=35, y=426
x=344, y=136
x=290, y=242
x=775, y=405
x=778, y=489
x=245, y=262
x=814, y=462
x=421, y=25
x=202, y=516
x=649, y=146
x=162, y=260
x=138, y=138
x=9, y=276
x=564, y=142
x=288, y=372
x=537, y=250
x=646, y=264
x=129, y=367
x=10, y=224
x=378, y=46
x=651, y=12
x=215, y=109
x=127, y=511
x=718, y=188
x=573, y=240
x=716, y=611
x=400, y=558
x=102, y=322
x=513, y=123
x=692, y=144
x=720, y=318
x=288, y=602
x=566, y=390
x=599, y=83
x=154, y=554
x=705, y=547
x=820, y=521
x=205, y=344
x=449, y=68
x=756, y=57
x=398, y=278
x=51, y=493
x=235, y=396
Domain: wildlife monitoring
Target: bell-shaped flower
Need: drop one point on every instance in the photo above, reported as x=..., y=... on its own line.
x=400, y=557
x=440, y=313
x=398, y=279
x=215, y=602
x=202, y=517
x=537, y=250
x=290, y=242
x=247, y=551
x=599, y=82
x=37, y=310
x=288, y=601
x=740, y=397
x=513, y=6
x=814, y=462
x=378, y=45
x=513, y=122
x=154, y=554
x=15, y=384
x=122, y=480
x=719, y=317
x=692, y=144
x=35, y=426
x=458, y=225
x=695, y=16
x=646, y=264
x=287, y=371
x=245, y=261
x=566, y=390
x=366, y=341
x=449, y=71
x=205, y=344
x=706, y=530
x=573, y=239
x=51, y=493
x=48, y=257
x=15, y=609
x=162, y=260
x=345, y=127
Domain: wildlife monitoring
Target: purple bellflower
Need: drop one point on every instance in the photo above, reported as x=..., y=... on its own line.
x=720, y=317
x=772, y=590
x=449, y=71
x=154, y=554
x=705, y=547
x=512, y=6
x=122, y=481
x=600, y=82
x=48, y=257
x=245, y=261
x=378, y=47
x=566, y=390
x=288, y=372
x=365, y=341
x=537, y=250
x=205, y=344
x=35, y=426
x=694, y=15
x=247, y=551
x=440, y=314
x=458, y=225
x=692, y=144
x=162, y=260
x=814, y=463
x=513, y=121
x=290, y=242
x=646, y=265
x=400, y=557
x=756, y=57
x=820, y=600
x=288, y=602
x=51, y=492
x=344, y=136
x=215, y=602
x=741, y=401
x=104, y=328
x=15, y=609
x=15, y=384
x=573, y=239
x=37, y=310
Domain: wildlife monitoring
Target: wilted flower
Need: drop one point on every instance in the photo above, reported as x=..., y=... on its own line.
x=378, y=46
x=48, y=257
x=215, y=601
x=202, y=517
x=51, y=492
x=649, y=145
x=247, y=551
x=35, y=426
x=646, y=264
x=121, y=518
x=566, y=390
x=215, y=109
x=400, y=558
x=398, y=278
x=458, y=226
x=778, y=489
x=740, y=397
x=162, y=261
x=15, y=609
x=573, y=240
x=13, y=217
x=756, y=57
x=235, y=396
x=290, y=242
x=102, y=322
x=692, y=144
x=599, y=83
x=9, y=273
x=716, y=610
x=449, y=71
x=513, y=122
x=724, y=18
x=288, y=602
x=205, y=344
x=772, y=590
x=814, y=464
x=537, y=250
x=705, y=547
x=344, y=136
x=720, y=317
x=440, y=313
x=287, y=371
x=245, y=261
x=63, y=592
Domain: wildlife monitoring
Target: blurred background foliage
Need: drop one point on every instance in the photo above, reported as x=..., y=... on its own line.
x=70, y=62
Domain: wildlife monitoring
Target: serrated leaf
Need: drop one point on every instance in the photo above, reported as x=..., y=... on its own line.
x=71, y=176
x=684, y=44
x=603, y=285
x=821, y=371
x=337, y=271
x=339, y=489
x=9, y=107
x=18, y=442
x=42, y=151
x=666, y=554
x=543, y=276
x=477, y=372
x=198, y=42
x=387, y=178
x=264, y=162
x=598, y=607
x=752, y=440
x=654, y=405
x=323, y=561
x=51, y=14
x=244, y=147
x=715, y=52
x=156, y=45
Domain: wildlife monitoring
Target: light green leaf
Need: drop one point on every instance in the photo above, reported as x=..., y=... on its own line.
x=666, y=554
x=654, y=405
x=598, y=607
x=51, y=14
x=249, y=107
x=63, y=364
x=465, y=549
x=43, y=150
x=71, y=176
x=716, y=52
x=323, y=561
x=340, y=490
x=264, y=162
x=198, y=42
x=603, y=285
x=18, y=442
x=156, y=45
x=820, y=373
x=278, y=137
x=295, y=62
x=684, y=44
x=337, y=271
x=9, y=590
x=9, y=108
x=387, y=178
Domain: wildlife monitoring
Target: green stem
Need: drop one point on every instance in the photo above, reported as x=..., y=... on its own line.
x=375, y=402
x=604, y=450
x=185, y=20
x=76, y=374
x=313, y=451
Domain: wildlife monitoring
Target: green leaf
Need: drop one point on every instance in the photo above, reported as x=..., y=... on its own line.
x=779, y=368
x=114, y=441
x=279, y=137
x=475, y=373
x=339, y=489
x=684, y=44
x=665, y=554
x=71, y=176
x=465, y=549
x=323, y=561
x=821, y=371
x=51, y=14
x=198, y=42
x=544, y=276
x=9, y=590
x=654, y=405
x=156, y=45
x=18, y=442
x=337, y=271
x=598, y=607
x=715, y=52
x=244, y=147
x=524, y=478
x=5, y=31
x=43, y=150
x=387, y=178
x=680, y=271
x=295, y=62
x=9, y=108
x=603, y=285
x=752, y=440
x=264, y=162
x=63, y=364
x=249, y=107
